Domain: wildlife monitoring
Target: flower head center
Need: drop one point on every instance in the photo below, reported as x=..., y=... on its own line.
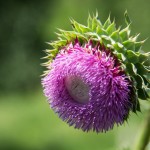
x=77, y=89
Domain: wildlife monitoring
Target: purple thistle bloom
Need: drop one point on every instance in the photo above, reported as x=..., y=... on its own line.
x=87, y=88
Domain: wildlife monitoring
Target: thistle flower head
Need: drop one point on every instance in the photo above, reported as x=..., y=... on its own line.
x=95, y=75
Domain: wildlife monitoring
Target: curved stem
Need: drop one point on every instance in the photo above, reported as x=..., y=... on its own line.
x=143, y=135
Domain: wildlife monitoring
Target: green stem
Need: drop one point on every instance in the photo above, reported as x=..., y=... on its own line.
x=143, y=135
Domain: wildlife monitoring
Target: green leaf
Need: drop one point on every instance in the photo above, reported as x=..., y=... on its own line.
x=139, y=80
x=124, y=34
x=138, y=45
x=92, y=35
x=147, y=62
x=76, y=26
x=94, y=24
x=106, y=40
x=134, y=99
x=146, y=81
x=115, y=35
x=132, y=56
x=111, y=28
x=143, y=57
x=142, y=94
x=100, y=31
x=127, y=19
x=119, y=47
x=135, y=37
x=89, y=21
x=107, y=23
x=129, y=45
x=147, y=92
x=51, y=53
x=98, y=20
x=79, y=27
x=138, y=106
x=60, y=43
x=131, y=69
x=121, y=56
x=141, y=69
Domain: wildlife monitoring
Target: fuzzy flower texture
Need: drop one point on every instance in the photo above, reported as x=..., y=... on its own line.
x=96, y=75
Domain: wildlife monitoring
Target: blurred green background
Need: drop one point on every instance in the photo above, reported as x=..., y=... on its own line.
x=26, y=122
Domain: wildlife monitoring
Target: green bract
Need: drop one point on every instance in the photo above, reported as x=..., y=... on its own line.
x=128, y=50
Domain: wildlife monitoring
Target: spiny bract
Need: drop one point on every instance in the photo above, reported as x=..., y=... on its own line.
x=96, y=73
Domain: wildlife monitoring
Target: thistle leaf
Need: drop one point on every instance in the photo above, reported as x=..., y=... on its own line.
x=107, y=23
x=89, y=21
x=143, y=57
x=142, y=94
x=146, y=81
x=139, y=81
x=111, y=28
x=121, y=56
x=127, y=18
x=124, y=33
x=95, y=23
x=141, y=69
x=132, y=56
x=147, y=62
x=100, y=31
x=129, y=44
x=119, y=47
x=138, y=46
x=115, y=35
x=131, y=69
x=79, y=27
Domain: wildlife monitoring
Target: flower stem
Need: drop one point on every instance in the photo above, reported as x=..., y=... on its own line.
x=143, y=135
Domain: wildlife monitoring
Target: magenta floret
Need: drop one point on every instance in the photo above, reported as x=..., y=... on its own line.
x=87, y=87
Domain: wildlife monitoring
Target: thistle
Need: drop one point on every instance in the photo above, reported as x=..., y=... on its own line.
x=96, y=74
